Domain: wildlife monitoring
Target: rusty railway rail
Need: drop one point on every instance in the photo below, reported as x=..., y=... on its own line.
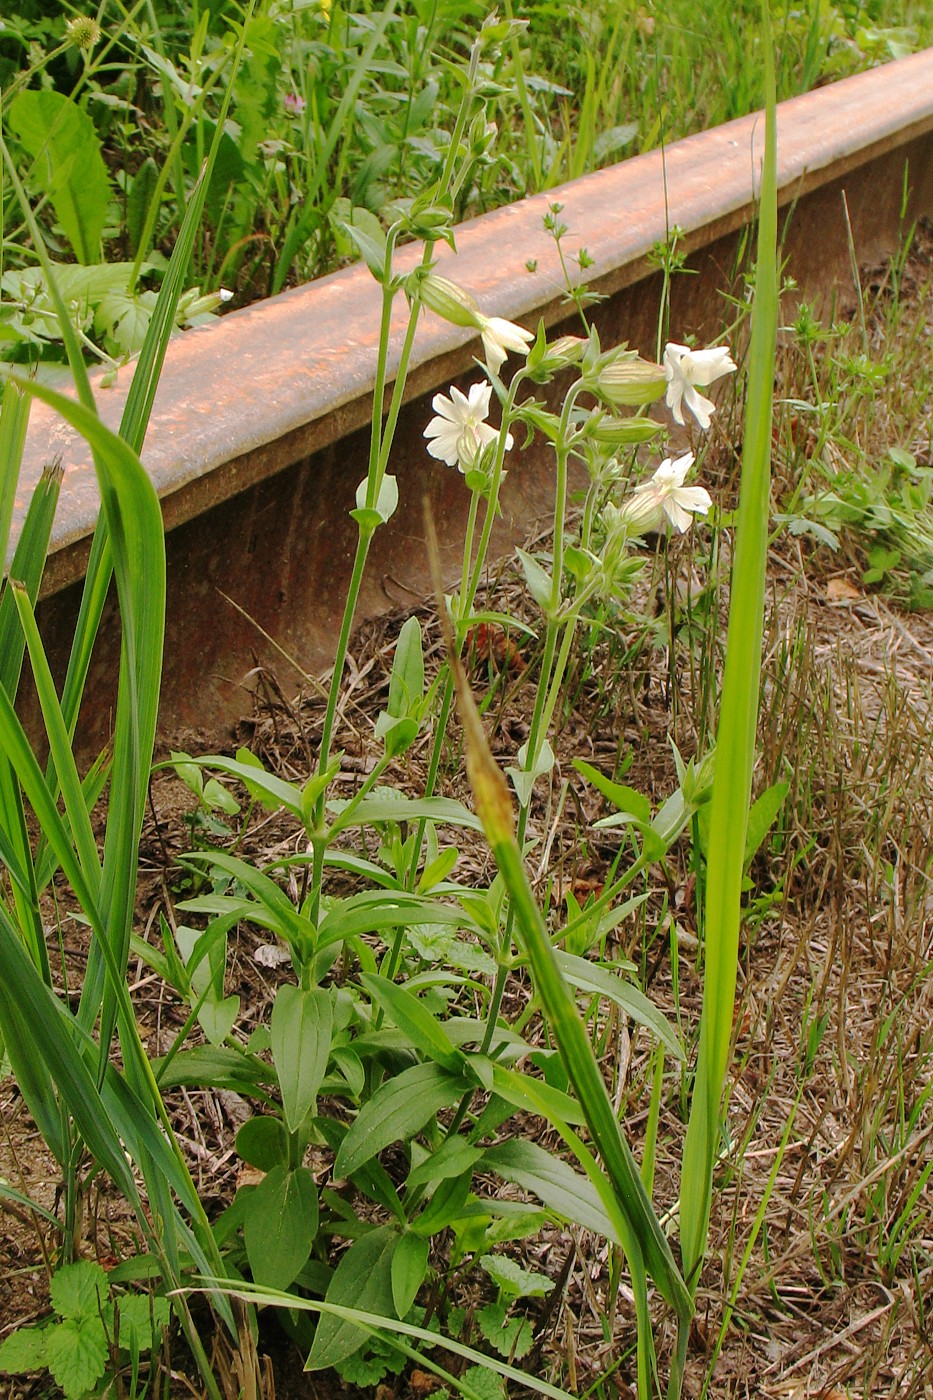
x=258, y=437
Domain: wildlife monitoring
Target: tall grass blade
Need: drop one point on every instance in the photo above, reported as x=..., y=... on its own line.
x=735, y=749
x=14, y=416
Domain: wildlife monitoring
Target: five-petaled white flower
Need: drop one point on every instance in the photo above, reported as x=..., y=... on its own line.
x=501, y=336
x=685, y=369
x=459, y=433
x=664, y=495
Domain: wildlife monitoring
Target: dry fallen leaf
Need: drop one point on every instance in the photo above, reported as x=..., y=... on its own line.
x=840, y=590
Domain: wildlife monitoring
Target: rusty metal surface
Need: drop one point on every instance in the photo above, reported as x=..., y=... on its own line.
x=258, y=438
x=272, y=383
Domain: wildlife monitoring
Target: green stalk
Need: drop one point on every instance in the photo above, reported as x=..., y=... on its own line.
x=735, y=751
x=647, y=1245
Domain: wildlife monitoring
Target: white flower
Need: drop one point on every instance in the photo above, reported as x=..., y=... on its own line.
x=685, y=369
x=499, y=337
x=459, y=433
x=664, y=494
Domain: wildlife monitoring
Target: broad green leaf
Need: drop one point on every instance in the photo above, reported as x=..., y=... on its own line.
x=374, y=810
x=510, y=1278
x=142, y=1320
x=302, y=1028
x=454, y=1157
x=553, y=1181
x=280, y=1225
x=761, y=818
x=406, y=682
x=79, y=1290
x=215, y=1067
x=409, y=1266
x=263, y=1143
x=24, y=1350
x=590, y=977
x=69, y=167
x=76, y=1354
x=362, y=1279
x=510, y=1085
x=398, y=1109
x=218, y=1017
x=623, y=798
x=412, y=1016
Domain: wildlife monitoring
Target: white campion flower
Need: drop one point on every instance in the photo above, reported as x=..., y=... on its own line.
x=664, y=495
x=685, y=369
x=500, y=337
x=460, y=432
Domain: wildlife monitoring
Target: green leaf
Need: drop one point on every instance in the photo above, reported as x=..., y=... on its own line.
x=539, y=582
x=373, y=810
x=362, y=1280
x=217, y=1017
x=454, y=1157
x=76, y=1354
x=590, y=977
x=262, y=1141
x=511, y=1336
x=142, y=1320
x=510, y=1085
x=553, y=1181
x=302, y=1028
x=24, y=1350
x=406, y=683
x=368, y=235
x=623, y=798
x=69, y=166
x=510, y=1278
x=79, y=1290
x=409, y=1266
x=761, y=818
x=398, y=1109
x=280, y=1226
x=738, y=716
x=412, y=1016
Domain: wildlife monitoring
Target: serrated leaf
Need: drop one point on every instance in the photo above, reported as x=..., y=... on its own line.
x=24, y=1350
x=280, y=1226
x=76, y=1354
x=69, y=167
x=512, y=1279
x=511, y=1336
x=142, y=1320
x=79, y=1290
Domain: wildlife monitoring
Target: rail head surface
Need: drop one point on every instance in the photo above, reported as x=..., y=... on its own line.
x=266, y=386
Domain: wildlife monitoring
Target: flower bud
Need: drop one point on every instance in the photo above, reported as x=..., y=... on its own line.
x=631, y=381
x=449, y=301
x=620, y=432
